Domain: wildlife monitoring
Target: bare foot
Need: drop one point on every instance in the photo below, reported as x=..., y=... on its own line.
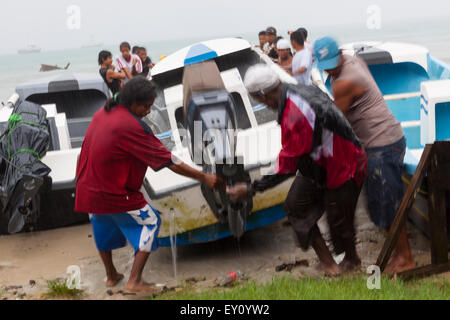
x=328, y=271
x=399, y=264
x=350, y=266
x=112, y=282
x=143, y=287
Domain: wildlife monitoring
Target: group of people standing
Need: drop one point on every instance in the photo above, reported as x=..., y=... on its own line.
x=126, y=65
x=331, y=146
x=298, y=64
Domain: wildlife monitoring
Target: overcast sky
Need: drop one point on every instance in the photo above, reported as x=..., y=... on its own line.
x=44, y=22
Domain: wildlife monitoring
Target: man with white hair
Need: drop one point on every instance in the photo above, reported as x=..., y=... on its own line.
x=318, y=142
x=284, y=55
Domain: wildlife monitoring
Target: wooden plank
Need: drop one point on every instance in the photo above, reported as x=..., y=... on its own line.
x=405, y=207
x=437, y=206
x=425, y=271
x=443, y=151
x=442, y=177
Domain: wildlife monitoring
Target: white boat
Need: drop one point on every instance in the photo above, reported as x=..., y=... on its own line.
x=92, y=44
x=71, y=101
x=406, y=75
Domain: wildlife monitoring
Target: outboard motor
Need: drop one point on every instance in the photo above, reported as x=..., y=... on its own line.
x=210, y=122
x=23, y=144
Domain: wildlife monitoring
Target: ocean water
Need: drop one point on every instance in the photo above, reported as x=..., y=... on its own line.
x=16, y=69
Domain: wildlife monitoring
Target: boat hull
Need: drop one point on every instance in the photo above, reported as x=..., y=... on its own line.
x=194, y=222
x=217, y=231
x=56, y=211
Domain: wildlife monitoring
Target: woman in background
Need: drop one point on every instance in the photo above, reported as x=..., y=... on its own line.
x=111, y=78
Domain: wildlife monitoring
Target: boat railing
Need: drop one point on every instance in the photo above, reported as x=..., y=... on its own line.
x=402, y=96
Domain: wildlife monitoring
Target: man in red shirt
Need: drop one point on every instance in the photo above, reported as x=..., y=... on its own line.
x=116, y=152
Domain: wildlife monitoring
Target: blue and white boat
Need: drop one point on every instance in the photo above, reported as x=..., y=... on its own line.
x=71, y=100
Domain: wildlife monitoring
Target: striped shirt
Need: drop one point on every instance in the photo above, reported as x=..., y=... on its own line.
x=317, y=139
x=120, y=63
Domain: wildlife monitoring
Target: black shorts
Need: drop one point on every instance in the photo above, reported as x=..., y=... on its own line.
x=307, y=202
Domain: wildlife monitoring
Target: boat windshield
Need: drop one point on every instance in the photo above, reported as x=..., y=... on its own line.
x=262, y=113
x=158, y=120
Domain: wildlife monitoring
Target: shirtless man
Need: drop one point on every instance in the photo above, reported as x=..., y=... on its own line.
x=284, y=55
x=357, y=95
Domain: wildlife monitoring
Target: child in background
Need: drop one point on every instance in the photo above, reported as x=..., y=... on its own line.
x=111, y=78
x=147, y=63
x=302, y=61
x=135, y=50
x=127, y=62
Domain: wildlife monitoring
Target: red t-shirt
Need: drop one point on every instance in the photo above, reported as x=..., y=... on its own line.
x=117, y=149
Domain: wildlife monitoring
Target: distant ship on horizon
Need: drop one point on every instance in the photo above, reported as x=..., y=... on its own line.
x=92, y=44
x=31, y=48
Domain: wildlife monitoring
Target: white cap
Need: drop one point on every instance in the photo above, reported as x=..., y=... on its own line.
x=261, y=78
x=283, y=44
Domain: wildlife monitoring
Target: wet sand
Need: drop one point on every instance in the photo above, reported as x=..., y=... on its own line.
x=42, y=256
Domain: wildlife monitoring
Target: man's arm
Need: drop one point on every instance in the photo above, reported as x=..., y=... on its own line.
x=127, y=73
x=305, y=63
x=137, y=66
x=111, y=75
x=134, y=71
x=300, y=71
x=210, y=180
x=241, y=190
x=345, y=92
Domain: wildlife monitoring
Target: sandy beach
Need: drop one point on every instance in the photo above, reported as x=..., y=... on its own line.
x=42, y=256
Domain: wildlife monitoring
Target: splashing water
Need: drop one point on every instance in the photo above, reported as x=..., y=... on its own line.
x=173, y=242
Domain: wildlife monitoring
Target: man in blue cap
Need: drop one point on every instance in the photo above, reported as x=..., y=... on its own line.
x=357, y=95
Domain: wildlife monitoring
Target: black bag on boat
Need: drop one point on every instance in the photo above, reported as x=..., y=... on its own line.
x=24, y=143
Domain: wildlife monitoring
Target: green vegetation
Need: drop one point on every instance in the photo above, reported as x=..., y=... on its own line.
x=58, y=289
x=344, y=288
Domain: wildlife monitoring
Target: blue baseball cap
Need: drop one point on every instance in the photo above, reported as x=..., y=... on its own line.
x=326, y=52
